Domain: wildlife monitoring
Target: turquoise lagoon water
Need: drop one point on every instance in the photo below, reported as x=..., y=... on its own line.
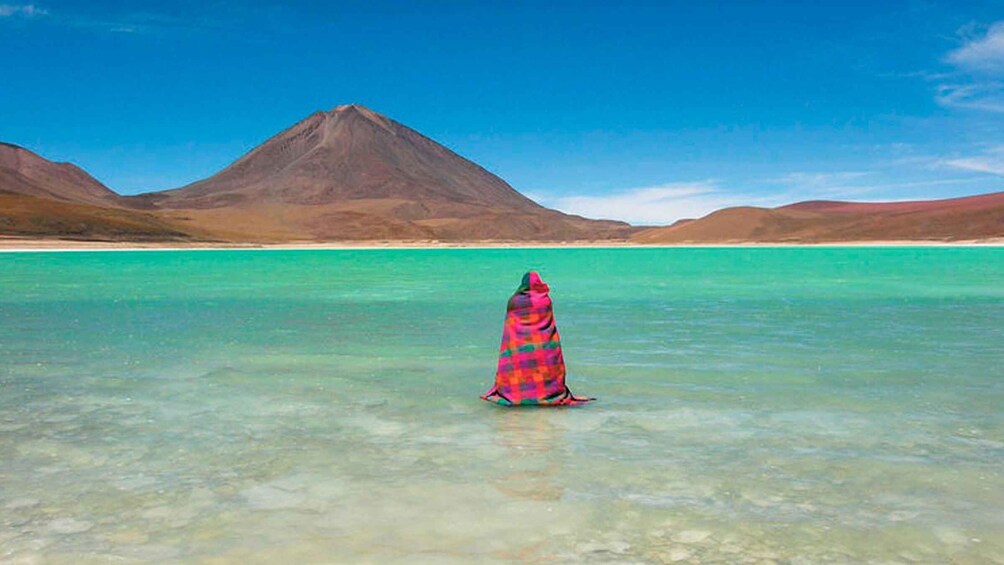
x=756, y=405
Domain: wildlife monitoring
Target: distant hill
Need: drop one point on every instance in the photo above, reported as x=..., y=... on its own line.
x=354, y=174
x=40, y=198
x=24, y=172
x=972, y=217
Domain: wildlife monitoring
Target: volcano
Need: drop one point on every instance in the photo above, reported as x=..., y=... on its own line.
x=352, y=173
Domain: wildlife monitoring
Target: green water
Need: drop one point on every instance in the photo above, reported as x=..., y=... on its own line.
x=786, y=405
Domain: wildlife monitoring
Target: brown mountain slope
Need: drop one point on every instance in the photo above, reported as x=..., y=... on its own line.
x=354, y=174
x=22, y=215
x=350, y=152
x=40, y=198
x=973, y=217
x=24, y=172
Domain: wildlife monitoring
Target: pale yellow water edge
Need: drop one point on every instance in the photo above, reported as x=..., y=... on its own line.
x=12, y=244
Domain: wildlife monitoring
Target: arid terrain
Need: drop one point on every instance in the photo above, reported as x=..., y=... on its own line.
x=348, y=174
x=969, y=218
x=352, y=175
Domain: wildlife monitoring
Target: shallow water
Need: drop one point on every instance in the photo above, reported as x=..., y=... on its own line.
x=756, y=405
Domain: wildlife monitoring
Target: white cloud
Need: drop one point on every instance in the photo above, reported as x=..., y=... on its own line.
x=991, y=162
x=984, y=54
x=986, y=96
x=818, y=179
x=831, y=185
x=979, y=64
x=662, y=204
x=815, y=181
x=666, y=203
x=127, y=22
x=23, y=10
x=535, y=196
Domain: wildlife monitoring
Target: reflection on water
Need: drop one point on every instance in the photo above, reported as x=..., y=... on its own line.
x=534, y=449
x=817, y=409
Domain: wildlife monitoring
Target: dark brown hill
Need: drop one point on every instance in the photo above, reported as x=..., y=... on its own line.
x=967, y=218
x=24, y=172
x=43, y=199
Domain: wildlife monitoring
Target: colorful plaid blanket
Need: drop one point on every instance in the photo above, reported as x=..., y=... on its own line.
x=531, y=369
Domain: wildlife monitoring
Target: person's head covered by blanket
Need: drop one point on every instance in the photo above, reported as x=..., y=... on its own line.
x=531, y=369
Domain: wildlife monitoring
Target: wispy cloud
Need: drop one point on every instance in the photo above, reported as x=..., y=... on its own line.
x=990, y=162
x=800, y=185
x=987, y=96
x=981, y=54
x=979, y=64
x=21, y=10
x=128, y=22
x=140, y=23
x=660, y=204
x=852, y=191
x=666, y=203
x=817, y=182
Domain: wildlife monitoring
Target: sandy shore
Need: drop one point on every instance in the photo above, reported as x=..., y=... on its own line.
x=9, y=244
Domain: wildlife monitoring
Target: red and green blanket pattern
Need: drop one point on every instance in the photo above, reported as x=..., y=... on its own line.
x=531, y=369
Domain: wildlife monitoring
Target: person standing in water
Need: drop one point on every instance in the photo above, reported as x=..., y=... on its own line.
x=531, y=368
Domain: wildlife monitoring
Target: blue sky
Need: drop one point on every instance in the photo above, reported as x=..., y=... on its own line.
x=643, y=111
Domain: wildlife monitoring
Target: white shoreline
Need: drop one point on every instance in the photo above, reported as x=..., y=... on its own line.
x=50, y=246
